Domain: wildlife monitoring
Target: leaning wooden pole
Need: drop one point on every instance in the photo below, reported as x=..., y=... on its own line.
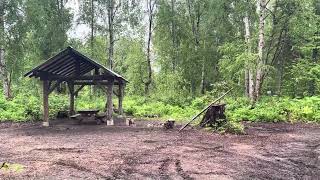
x=203, y=110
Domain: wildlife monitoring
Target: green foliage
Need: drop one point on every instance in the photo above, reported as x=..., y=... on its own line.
x=269, y=109
x=275, y=109
x=305, y=78
x=195, y=43
x=140, y=107
x=10, y=167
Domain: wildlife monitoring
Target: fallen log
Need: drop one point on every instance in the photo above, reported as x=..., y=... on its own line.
x=206, y=108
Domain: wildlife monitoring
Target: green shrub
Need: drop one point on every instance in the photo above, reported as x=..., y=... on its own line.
x=28, y=106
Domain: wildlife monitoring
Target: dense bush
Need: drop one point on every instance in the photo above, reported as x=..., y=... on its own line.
x=274, y=109
x=28, y=106
x=270, y=109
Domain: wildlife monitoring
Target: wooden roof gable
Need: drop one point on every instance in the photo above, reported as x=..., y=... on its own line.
x=71, y=63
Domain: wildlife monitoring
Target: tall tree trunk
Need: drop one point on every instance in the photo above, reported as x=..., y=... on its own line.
x=111, y=32
x=279, y=76
x=202, y=85
x=3, y=66
x=92, y=28
x=260, y=61
x=195, y=25
x=150, y=5
x=5, y=75
x=249, y=81
x=315, y=51
x=92, y=89
x=174, y=36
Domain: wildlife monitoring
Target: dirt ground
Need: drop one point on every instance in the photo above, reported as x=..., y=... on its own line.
x=88, y=151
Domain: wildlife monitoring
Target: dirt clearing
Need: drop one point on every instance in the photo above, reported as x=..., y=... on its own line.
x=267, y=151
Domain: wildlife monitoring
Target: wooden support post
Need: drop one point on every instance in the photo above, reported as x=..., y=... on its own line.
x=71, y=91
x=46, y=103
x=120, y=98
x=109, y=103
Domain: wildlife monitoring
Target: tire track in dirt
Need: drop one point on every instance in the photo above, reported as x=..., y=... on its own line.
x=74, y=165
x=137, y=158
x=180, y=171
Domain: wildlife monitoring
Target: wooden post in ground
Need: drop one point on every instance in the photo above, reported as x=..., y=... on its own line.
x=120, y=98
x=71, y=91
x=109, y=103
x=45, y=103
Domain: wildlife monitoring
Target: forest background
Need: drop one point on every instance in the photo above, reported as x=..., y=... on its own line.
x=178, y=55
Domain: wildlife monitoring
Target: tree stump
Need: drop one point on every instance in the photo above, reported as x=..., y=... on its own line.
x=214, y=116
x=169, y=124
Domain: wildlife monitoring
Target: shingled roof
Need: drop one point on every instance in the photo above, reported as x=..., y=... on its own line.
x=69, y=63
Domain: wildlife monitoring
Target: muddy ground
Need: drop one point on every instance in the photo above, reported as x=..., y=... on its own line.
x=88, y=151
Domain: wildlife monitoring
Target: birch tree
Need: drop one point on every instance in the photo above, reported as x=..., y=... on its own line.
x=261, y=45
x=249, y=77
x=6, y=11
x=3, y=68
x=194, y=12
x=151, y=4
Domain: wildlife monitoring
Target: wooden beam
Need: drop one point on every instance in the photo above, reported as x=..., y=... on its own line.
x=79, y=89
x=71, y=70
x=84, y=77
x=61, y=65
x=71, y=92
x=96, y=71
x=57, y=63
x=97, y=83
x=51, y=89
x=45, y=103
x=77, y=65
x=120, y=98
x=116, y=93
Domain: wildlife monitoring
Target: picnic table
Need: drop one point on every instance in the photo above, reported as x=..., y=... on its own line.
x=89, y=113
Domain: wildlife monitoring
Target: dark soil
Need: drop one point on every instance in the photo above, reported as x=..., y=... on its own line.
x=68, y=151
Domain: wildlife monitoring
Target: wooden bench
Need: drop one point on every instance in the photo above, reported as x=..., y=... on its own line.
x=99, y=118
x=87, y=113
x=75, y=116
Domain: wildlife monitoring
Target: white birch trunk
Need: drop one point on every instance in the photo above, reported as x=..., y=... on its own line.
x=4, y=75
x=3, y=66
x=111, y=32
x=150, y=5
x=260, y=62
x=249, y=78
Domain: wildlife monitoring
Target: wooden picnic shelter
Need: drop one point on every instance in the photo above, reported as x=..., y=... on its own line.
x=77, y=70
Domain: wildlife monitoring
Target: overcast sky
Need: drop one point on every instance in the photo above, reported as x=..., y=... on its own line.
x=79, y=31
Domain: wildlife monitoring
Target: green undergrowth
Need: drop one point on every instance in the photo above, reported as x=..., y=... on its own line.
x=24, y=107
x=268, y=109
x=10, y=167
